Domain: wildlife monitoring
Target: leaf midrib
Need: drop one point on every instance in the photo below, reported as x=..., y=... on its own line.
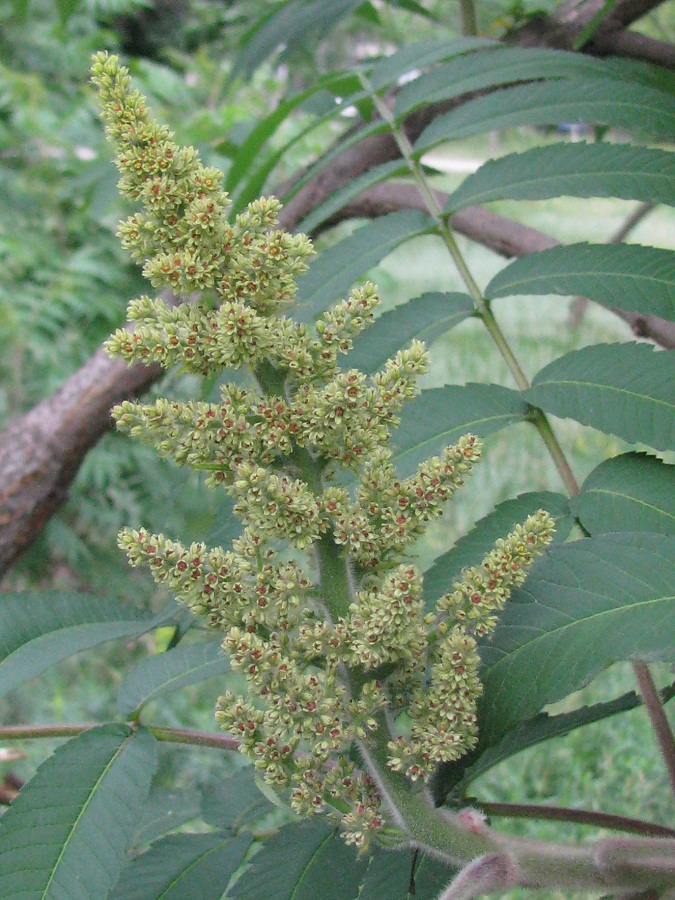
x=614, y=493
x=608, y=387
x=85, y=807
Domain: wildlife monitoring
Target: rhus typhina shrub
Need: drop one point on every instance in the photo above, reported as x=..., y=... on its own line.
x=336, y=645
x=368, y=696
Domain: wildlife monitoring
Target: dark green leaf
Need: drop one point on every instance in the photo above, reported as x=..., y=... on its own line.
x=333, y=273
x=440, y=416
x=622, y=389
x=627, y=276
x=351, y=190
x=247, y=189
x=260, y=134
x=425, y=318
x=164, y=811
x=67, y=833
x=40, y=628
x=474, y=546
x=480, y=70
x=290, y=23
x=453, y=779
x=388, y=877
x=227, y=526
x=593, y=101
x=414, y=57
x=348, y=140
x=184, y=867
x=303, y=861
x=183, y=665
x=572, y=170
x=235, y=802
x=632, y=492
x=584, y=606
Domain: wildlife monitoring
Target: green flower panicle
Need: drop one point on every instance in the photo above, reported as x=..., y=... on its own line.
x=319, y=602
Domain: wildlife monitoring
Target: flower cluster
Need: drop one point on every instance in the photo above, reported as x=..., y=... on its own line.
x=320, y=608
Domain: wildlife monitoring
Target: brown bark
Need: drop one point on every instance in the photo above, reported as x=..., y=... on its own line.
x=563, y=27
x=41, y=452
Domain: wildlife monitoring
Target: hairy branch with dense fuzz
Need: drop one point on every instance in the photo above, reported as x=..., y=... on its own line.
x=334, y=634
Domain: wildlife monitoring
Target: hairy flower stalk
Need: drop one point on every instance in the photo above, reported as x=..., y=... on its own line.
x=319, y=602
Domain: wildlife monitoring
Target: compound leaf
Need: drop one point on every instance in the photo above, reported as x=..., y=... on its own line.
x=67, y=833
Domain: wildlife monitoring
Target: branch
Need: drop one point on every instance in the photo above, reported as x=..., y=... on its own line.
x=41, y=452
x=563, y=27
x=580, y=816
x=186, y=736
x=657, y=717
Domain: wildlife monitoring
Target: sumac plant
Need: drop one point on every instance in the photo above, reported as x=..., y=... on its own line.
x=372, y=694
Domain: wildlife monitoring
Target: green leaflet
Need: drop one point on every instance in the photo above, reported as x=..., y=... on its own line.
x=571, y=170
x=498, y=66
x=424, y=318
x=67, y=833
x=470, y=549
x=440, y=416
x=333, y=273
x=339, y=83
x=596, y=101
x=164, y=811
x=300, y=862
x=184, y=867
x=455, y=778
x=622, y=389
x=164, y=672
x=416, y=56
x=632, y=492
x=350, y=191
x=584, y=606
x=40, y=628
x=288, y=23
x=235, y=802
x=627, y=276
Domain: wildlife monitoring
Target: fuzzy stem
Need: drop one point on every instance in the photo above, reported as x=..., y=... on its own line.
x=186, y=736
x=657, y=717
x=443, y=836
x=580, y=816
x=619, y=863
x=469, y=18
